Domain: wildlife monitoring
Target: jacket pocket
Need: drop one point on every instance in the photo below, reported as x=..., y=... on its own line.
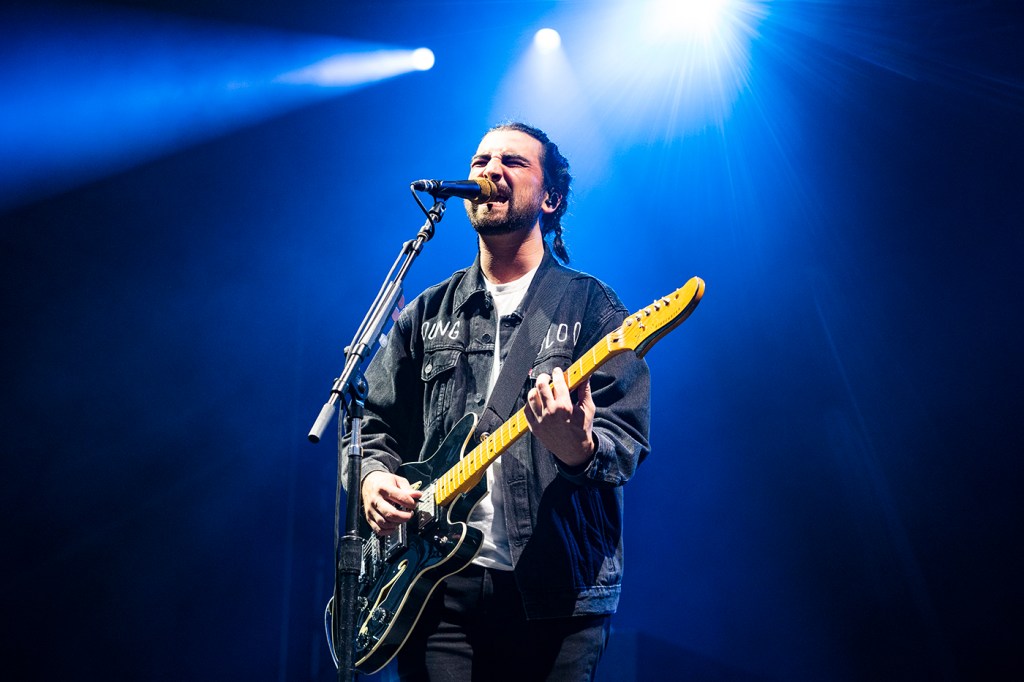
x=438, y=379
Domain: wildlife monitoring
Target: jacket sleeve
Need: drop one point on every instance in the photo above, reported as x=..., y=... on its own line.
x=621, y=389
x=392, y=423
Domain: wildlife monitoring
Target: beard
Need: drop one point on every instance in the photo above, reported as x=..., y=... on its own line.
x=519, y=215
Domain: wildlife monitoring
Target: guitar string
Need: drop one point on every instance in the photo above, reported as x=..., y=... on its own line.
x=495, y=444
x=485, y=453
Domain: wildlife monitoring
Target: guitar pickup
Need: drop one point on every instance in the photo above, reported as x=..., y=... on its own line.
x=425, y=512
x=394, y=542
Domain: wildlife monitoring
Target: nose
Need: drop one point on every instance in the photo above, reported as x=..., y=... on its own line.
x=493, y=170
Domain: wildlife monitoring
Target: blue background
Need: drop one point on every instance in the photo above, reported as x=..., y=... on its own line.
x=834, y=490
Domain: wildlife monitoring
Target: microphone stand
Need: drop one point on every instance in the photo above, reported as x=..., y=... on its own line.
x=351, y=390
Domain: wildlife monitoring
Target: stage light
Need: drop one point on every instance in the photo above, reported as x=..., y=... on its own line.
x=695, y=19
x=422, y=59
x=547, y=40
x=153, y=85
x=681, y=66
x=344, y=70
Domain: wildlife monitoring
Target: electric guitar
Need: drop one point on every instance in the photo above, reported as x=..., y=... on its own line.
x=400, y=571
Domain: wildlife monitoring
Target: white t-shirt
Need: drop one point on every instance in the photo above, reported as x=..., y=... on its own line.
x=489, y=513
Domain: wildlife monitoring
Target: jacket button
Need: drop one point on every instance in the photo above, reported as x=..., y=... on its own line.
x=429, y=368
x=486, y=338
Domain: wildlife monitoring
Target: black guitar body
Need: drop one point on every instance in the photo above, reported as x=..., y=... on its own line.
x=400, y=572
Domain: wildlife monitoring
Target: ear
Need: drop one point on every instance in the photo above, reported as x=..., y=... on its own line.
x=551, y=202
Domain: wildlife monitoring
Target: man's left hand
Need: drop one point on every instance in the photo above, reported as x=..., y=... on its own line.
x=564, y=429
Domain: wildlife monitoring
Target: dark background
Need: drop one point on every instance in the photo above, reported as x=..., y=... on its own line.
x=834, y=489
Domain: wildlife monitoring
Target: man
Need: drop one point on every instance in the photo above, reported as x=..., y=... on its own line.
x=535, y=604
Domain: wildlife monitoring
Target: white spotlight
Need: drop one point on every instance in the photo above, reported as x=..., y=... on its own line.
x=547, y=40
x=344, y=70
x=694, y=20
x=422, y=59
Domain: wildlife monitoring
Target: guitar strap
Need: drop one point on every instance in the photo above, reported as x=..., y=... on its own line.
x=539, y=307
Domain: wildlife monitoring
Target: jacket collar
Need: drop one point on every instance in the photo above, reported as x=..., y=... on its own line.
x=472, y=283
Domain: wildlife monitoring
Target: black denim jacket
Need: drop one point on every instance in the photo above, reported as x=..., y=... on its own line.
x=564, y=526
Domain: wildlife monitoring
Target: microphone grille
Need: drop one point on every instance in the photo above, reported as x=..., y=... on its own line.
x=487, y=190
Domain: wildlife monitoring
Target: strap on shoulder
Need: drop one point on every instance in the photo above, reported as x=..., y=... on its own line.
x=539, y=308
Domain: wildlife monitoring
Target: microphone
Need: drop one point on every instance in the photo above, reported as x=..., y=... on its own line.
x=477, y=190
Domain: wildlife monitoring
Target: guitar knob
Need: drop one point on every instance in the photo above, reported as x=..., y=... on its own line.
x=379, y=615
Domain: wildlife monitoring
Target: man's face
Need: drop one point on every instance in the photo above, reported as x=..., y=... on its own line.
x=511, y=160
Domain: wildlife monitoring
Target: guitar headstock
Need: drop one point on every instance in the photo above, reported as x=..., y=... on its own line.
x=644, y=328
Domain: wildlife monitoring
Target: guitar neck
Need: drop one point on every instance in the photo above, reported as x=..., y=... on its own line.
x=467, y=473
x=637, y=334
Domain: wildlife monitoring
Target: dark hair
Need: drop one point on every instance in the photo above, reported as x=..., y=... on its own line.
x=556, y=183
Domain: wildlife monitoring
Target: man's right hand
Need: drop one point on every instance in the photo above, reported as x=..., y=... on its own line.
x=388, y=501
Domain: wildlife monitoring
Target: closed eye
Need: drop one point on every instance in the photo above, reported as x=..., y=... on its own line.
x=507, y=160
x=513, y=160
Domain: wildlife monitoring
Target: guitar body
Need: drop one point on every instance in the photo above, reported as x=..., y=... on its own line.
x=400, y=573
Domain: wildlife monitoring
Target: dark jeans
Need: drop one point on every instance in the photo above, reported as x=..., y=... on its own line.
x=474, y=628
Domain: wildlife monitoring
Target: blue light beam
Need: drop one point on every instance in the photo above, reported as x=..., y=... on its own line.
x=90, y=92
x=542, y=88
